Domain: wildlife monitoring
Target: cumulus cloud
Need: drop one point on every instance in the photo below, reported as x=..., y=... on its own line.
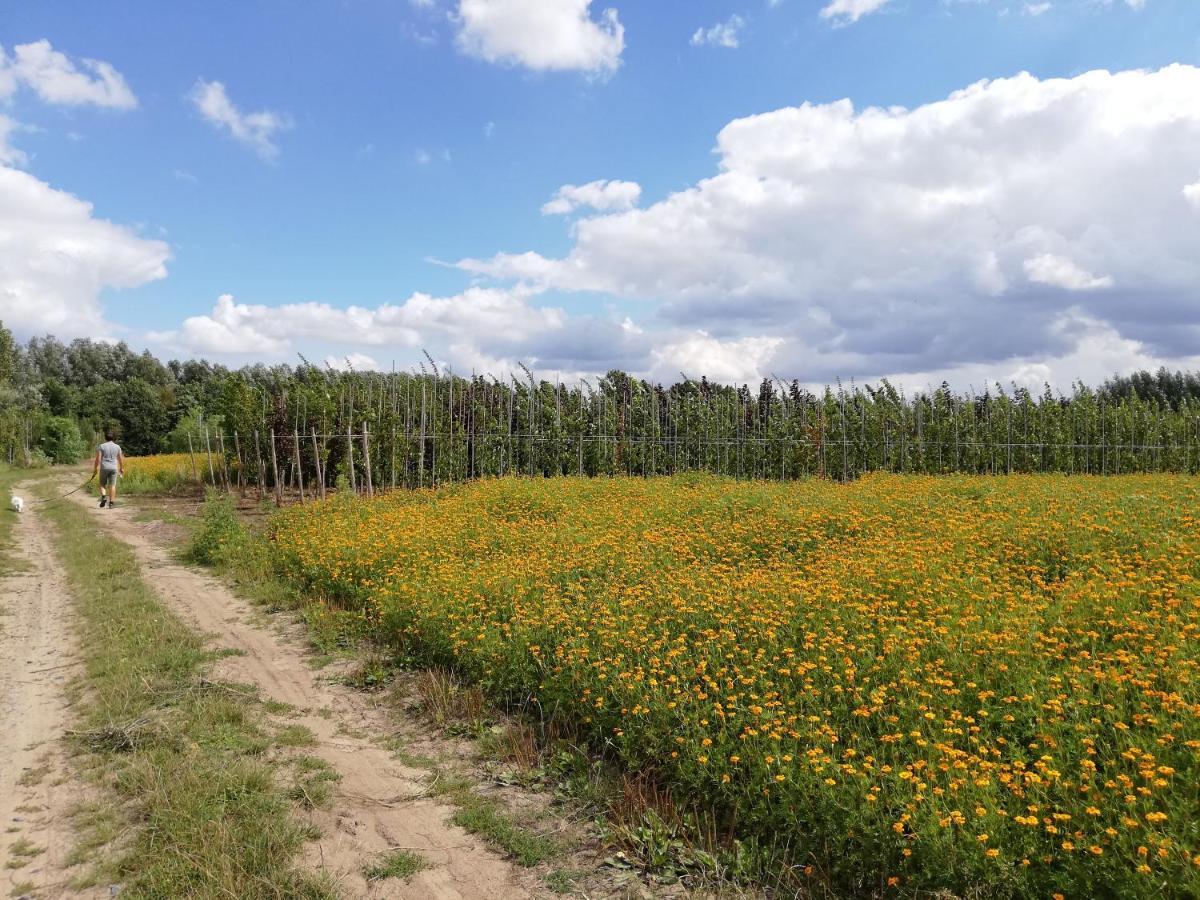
x=1037, y=9
x=699, y=353
x=601, y=195
x=1058, y=272
x=541, y=35
x=479, y=318
x=848, y=11
x=723, y=34
x=1191, y=193
x=57, y=80
x=255, y=130
x=954, y=234
x=353, y=362
x=56, y=257
x=9, y=155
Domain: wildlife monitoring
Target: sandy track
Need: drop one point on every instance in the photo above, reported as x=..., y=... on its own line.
x=37, y=658
x=378, y=805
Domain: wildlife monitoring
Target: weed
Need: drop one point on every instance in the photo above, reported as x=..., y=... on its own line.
x=401, y=864
x=486, y=818
x=295, y=736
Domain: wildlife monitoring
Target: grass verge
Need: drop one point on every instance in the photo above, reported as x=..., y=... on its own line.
x=185, y=757
x=9, y=476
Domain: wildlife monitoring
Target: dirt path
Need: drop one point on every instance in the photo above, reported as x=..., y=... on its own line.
x=378, y=804
x=37, y=658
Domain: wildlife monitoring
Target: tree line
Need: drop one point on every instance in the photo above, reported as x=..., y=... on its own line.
x=309, y=426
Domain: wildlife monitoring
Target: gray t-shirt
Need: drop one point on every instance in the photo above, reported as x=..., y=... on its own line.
x=109, y=451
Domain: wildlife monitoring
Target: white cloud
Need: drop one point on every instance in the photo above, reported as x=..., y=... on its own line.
x=723, y=34
x=1191, y=193
x=847, y=11
x=950, y=235
x=602, y=195
x=255, y=130
x=10, y=155
x=1037, y=9
x=1136, y=4
x=357, y=362
x=1058, y=272
x=478, y=317
x=698, y=353
x=541, y=34
x=55, y=78
x=56, y=258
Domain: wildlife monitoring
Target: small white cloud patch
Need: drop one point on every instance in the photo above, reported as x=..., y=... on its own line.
x=610, y=196
x=256, y=130
x=845, y=12
x=1191, y=193
x=540, y=35
x=723, y=34
x=1056, y=271
x=55, y=79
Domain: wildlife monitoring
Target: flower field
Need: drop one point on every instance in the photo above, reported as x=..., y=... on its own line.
x=905, y=683
x=164, y=472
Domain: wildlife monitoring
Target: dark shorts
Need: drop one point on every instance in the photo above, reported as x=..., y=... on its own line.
x=107, y=477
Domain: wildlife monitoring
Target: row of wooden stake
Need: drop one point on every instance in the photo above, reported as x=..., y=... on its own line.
x=298, y=468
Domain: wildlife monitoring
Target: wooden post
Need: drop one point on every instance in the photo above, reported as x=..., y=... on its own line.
x=258, y=464
x=224, y=461
x=367, y=460
x=237, y=446
x=192, y=454
x=317, y=464
x=275, y=471
x=299, y=468
x=208, y=450
x=350, y=460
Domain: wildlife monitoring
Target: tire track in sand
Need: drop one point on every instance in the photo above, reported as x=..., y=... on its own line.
x=38, y=656
x=379, y=804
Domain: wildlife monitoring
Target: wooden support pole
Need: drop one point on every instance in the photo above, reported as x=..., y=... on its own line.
x=224, y=461
x=258, y=464
x=317, y=464
x=299, y=468
x=208, y=451
x=350, y=460
x=237, y=446
x=275, y=471
x=367, y=460
x=192, y=454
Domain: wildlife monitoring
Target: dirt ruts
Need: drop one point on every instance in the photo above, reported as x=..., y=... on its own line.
x=37, y=659
x=378, y=804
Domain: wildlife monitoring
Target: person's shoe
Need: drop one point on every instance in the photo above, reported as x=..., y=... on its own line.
x=103, y=500
x=112, y=504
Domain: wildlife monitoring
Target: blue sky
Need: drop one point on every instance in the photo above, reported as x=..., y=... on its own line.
x=409, y=147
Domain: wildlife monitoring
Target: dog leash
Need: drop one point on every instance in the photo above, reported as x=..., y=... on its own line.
x=66, y=495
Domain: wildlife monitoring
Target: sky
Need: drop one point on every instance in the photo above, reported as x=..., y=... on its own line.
x=976, y=191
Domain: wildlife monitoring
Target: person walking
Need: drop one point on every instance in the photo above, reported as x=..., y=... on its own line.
x=109, y=462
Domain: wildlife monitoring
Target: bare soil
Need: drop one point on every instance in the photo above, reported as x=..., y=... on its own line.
x=37, y=658
x=379, y=804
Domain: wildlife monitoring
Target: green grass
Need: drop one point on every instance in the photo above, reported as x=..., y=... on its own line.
x=402, y=864
x=487, y=819
x=184, y=757
x=295, y=736
x=8, y=517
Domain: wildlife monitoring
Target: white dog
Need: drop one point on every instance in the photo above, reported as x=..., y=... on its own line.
x=18, y=504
